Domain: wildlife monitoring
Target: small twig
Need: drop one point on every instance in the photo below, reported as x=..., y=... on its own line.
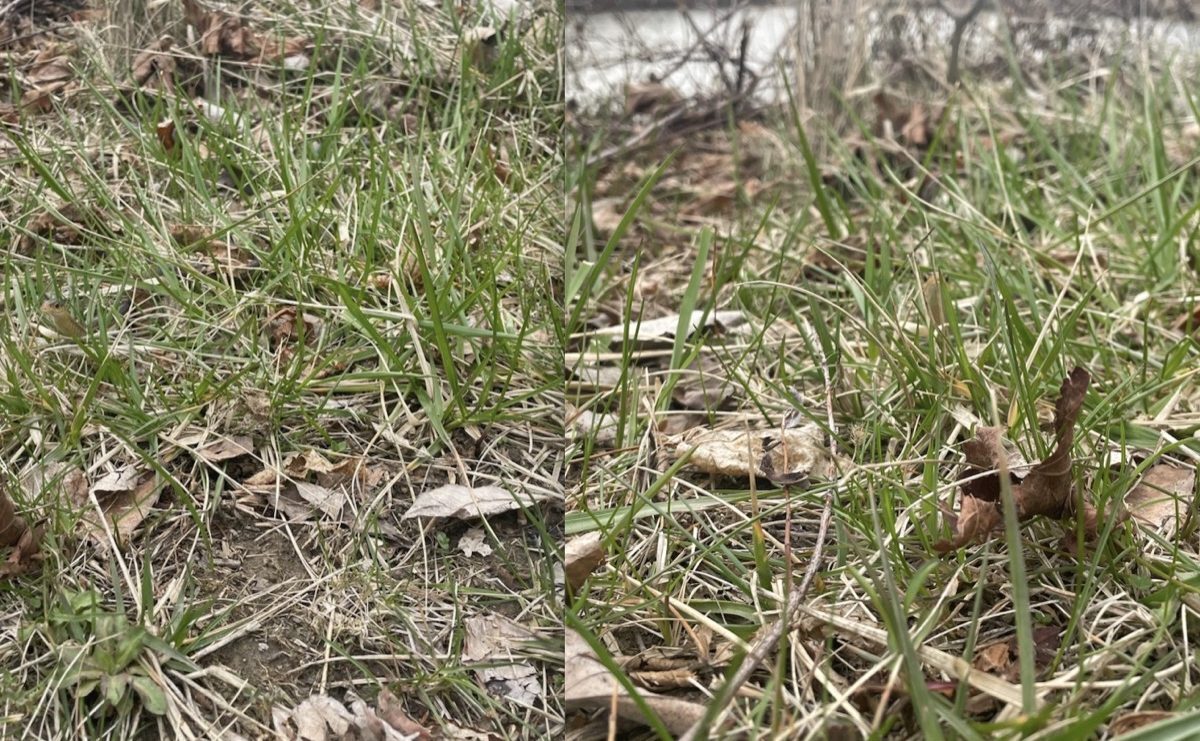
x=961, y=21
x=698, y=120
x=766, y=643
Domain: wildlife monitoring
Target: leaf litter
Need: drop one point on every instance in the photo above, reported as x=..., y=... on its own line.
x=1047, y=490
x=783, y=456
x=308, y=483
x=590, y=686
x=489, y=640
x=1164, y=499
x=323, y=718
x=465, y=502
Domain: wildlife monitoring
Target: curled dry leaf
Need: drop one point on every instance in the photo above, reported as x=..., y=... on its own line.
x=784, y=456
x=1046, y=490
x=17, y=538
x=155, y=66
x=583, y=554
x=1164, y=497
x=465, y=502
x=589, y=685
x=125, y=497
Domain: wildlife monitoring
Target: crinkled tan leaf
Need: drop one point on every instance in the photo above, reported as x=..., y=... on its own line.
x=1164, y=497
x=465, y=502
x=590, y=685
x=797, y=452
x=474, y=542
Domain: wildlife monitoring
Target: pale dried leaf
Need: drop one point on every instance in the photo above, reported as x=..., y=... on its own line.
x=474, y=543
x=583, y=554
x=589, y=685
x=797, y=452
x=227, y=448
x=122, y=479
x=1163, y=498
x=328, y=501
x=664, y=328
x=464, y=502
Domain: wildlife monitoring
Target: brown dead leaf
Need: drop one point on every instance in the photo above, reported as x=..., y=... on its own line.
x=786, y=456
x=154, y=68
x=225, y=35
x=1164, y=497
x=392, y=713
x=583, y=554
x=17, y=535
x=589, y=685
x=465, y=502
x=125, y=496
x=1130, y=722
x=1046, y=490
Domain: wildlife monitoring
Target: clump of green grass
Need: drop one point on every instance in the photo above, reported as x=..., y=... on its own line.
x=937, y=289
x=398, y=195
